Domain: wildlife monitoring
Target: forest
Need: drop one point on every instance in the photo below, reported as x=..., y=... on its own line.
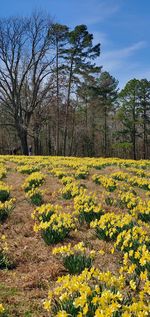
x=56, y=98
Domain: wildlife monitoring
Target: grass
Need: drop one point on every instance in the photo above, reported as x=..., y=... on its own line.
x=23, y=289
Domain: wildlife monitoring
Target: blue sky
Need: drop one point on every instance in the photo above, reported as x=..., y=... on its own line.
x=121, y=26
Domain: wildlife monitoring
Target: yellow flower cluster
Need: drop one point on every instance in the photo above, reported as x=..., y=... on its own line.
x=4, y=191
x=86, y=206
x=2, y=309
x=34, y=191
x=139, y=172
x=137, y=262
x=70, y=250
x=133, y=180
x=137, y=309
x=53, y=225
x=58, y=172
x=3, y=244
x=135, y=205
x=3, y=252
x=44, y=212
x=141, y=164
x=110, y=225
x=140, y=182
x=36, y=179
x=67, y=179
x=134, y=243
x=142, y=210
x=35, y=195
x=75, y=258
x=127, y=199
x=82, y=172
x=107, y=182
x=132, y=238
x=120, y=176
x=90, y=293
x=6, y=203
x=27, y=169
x=57, y=222
x=3, y=171
x=70, y=190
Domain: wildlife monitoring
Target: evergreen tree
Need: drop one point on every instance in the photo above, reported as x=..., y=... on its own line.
x=105, y=92
x=144, y=96
x=78, y=62
x=129, y=113
x=59, y=35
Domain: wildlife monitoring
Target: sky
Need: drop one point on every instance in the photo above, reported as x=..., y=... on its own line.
x=121, y=26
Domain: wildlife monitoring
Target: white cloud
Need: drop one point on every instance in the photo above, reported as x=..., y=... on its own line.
x=99, y=11
x=116, y=59
x=126, y=51
x=123, y=63
x=100, y=37
x=94, y=11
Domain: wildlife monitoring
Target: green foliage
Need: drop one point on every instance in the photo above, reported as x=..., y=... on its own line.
x=122, y=145
x=66, y=305
x=76, y=263
x=87, y=207
x=4, y=314
x=133, y=113
x=5, y=209
x=144, y=217
x=36, y=179
x=52, y=236
x=56, y=229
x=4, y=195
x=28, y=314
x=5, y=263
x=37, y=199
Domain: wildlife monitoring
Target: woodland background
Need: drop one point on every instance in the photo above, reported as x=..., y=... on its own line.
x=55, y=97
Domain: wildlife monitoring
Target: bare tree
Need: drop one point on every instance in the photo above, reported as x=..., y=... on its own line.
x=26, y=60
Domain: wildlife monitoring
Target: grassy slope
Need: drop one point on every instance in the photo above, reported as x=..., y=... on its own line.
x=23, y=289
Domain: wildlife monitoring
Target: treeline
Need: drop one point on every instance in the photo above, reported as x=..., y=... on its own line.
x=54, y=97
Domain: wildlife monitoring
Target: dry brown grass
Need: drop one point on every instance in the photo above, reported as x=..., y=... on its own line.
x=23, y=289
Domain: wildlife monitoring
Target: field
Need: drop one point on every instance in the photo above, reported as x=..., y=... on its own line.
x=74, y=237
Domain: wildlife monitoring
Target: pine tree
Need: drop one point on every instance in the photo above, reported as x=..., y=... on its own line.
x=129, y=113
x=78, y=62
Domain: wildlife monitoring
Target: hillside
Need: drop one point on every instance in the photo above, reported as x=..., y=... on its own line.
x=100, y=205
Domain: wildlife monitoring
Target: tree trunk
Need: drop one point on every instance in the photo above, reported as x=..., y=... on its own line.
x=144, y=132
x=72, y=133
x=57, y=101
x=36, y=144
x=105, y=131
x=67, y=107
x=49, y=141
x=22, y=133
x=134, y=146
x=134, y=133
